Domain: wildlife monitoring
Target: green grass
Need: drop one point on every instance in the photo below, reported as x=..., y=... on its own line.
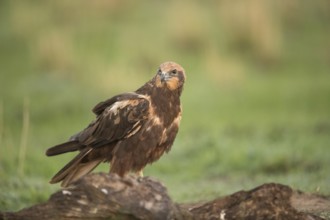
x=252, y=113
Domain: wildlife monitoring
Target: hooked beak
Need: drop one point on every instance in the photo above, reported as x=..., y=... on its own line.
x=163, y=76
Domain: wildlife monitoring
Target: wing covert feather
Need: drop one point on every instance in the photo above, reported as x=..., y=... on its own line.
x=116, y=121
x=100, y=107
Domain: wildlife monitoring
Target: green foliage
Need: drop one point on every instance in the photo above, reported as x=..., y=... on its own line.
x=256, y=101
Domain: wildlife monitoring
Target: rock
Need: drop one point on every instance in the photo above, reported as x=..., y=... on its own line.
x=108, y=196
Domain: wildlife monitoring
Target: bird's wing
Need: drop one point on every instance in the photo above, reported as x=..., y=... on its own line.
x=100, y=107
x=119, y=119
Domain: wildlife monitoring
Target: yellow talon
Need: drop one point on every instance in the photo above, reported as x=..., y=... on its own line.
x=140, y=173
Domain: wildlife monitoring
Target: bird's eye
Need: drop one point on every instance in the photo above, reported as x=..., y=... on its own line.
x=174, y=72
x=159, y=71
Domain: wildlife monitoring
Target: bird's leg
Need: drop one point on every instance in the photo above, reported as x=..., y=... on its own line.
x=139, y=173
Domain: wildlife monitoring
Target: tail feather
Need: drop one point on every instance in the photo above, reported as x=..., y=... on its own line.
x=63, y=148
x=80, y=171
x=75, y=168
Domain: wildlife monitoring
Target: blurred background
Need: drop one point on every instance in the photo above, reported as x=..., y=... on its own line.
x=256, y=101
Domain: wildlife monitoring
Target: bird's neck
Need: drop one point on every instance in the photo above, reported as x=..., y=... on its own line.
x=165, y=101
x=151, y=89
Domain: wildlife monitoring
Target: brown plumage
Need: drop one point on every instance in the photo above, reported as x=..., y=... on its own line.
x=130, y=131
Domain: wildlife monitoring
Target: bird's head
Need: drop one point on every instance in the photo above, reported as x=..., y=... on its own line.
x=170, y=75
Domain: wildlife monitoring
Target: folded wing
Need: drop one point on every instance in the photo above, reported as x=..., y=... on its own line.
x=117, y=118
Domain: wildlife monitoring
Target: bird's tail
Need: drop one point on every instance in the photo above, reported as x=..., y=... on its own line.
x=75, y=169
x=63, y=148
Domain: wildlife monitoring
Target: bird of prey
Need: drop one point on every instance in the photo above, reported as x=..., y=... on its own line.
x=130, y=131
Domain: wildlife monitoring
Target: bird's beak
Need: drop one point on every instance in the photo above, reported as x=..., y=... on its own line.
x=163, y=77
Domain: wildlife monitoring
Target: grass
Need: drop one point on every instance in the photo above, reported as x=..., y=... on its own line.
x=252, y=113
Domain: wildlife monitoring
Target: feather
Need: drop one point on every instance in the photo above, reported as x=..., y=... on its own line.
x=60, y=175
x=99, y=108
x=80, y=170
x=63, y=148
